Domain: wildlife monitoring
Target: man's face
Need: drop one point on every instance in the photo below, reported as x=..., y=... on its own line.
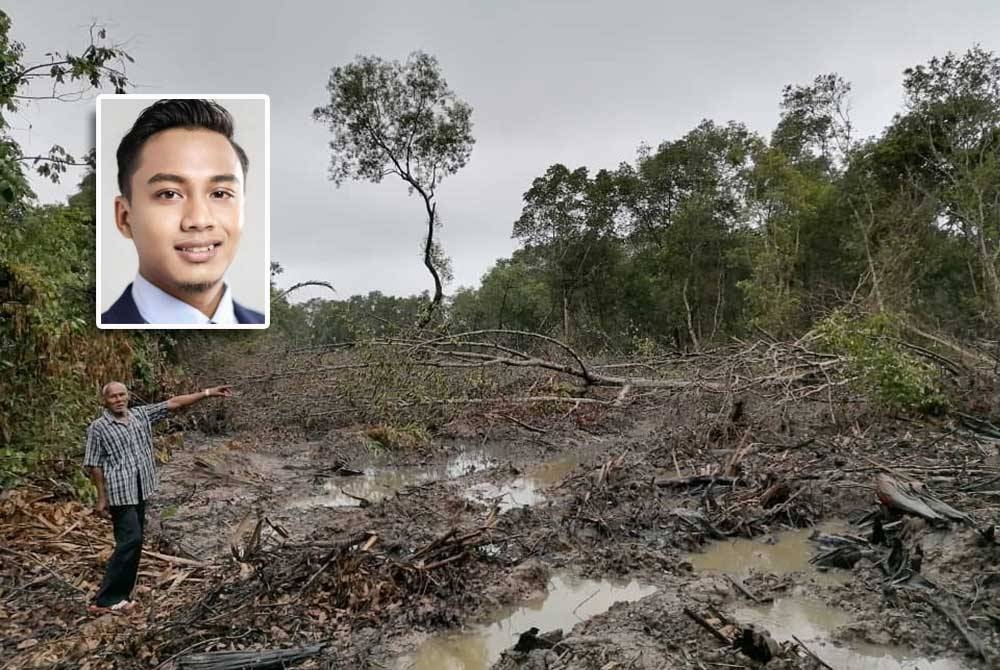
x=116, y=399
x=185, y=215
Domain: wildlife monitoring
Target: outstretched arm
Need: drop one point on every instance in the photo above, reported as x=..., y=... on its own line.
x=181, y=401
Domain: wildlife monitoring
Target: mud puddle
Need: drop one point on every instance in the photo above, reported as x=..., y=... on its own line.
x=789, y=552
x=381, y=481
x=526, y=489
x=568, y=601
x=812, y=622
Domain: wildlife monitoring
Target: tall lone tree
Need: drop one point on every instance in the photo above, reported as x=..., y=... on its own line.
x=392, y=118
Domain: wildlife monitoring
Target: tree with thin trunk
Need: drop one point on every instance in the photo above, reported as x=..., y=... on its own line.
x=953, y=116
x=402, y=119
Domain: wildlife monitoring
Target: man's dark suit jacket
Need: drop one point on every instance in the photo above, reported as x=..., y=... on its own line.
x=125, y=311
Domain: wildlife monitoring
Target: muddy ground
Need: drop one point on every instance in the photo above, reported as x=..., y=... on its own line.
x=440, y=556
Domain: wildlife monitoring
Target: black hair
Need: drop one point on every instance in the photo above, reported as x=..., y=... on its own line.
x=167, y=114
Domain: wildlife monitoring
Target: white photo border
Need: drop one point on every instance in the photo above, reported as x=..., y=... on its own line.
x=267, y=213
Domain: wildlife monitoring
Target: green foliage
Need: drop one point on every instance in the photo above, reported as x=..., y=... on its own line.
x=687, y=213
x=814, y=130
x=950, y=140
x=568, y=226
x=53, y=360
x=894, y=378
x=391, y=118
x=402, y=119
x=719, y=231
x=100, y=64
x=513, y=294
x=789, y=204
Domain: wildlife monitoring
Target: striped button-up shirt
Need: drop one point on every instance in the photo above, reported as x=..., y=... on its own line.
x=124, y=452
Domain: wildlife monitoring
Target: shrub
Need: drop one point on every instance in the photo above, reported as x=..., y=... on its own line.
x=892, y=377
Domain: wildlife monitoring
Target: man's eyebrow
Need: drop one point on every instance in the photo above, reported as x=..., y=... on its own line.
x=178, y=179
x=164, y=176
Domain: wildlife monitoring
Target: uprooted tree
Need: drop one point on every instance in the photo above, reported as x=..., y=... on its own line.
x=402, y=119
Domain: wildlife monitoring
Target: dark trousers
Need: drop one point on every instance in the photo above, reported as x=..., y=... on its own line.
x=119, y=579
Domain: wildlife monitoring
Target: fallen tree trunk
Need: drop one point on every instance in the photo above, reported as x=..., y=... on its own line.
x=892, y=495
x=970, y=637
x=247, y=660
x=695, y=480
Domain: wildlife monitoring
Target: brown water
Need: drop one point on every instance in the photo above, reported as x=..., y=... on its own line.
x=791, y=553
x=569, y=600
x=381, y=481
x=526, y=489
x=812, y=622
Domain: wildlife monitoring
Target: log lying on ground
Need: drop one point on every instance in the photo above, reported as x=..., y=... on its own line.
x=755, y=642
x=955, y=619
x=695, y=480
x=900, y=497
x=844, y=557
x=247, y=660
x=704, y=623
x=939, y=505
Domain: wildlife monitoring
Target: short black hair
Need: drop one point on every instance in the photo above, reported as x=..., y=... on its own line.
x=167, y=114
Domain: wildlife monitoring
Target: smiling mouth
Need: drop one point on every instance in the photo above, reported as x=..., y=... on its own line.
x=199, y=253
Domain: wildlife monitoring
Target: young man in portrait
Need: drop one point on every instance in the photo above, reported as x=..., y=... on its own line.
x=181, y=178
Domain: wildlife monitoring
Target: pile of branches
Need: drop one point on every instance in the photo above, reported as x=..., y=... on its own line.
x=502, y=373
x=53, y=553
x=324, y=587
x=959, y=584
x=52, y=556
x=623, y=499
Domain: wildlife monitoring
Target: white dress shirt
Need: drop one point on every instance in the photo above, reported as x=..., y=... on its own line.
x=158, y=306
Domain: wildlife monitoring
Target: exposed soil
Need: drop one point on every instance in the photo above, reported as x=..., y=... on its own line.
x=284, y=547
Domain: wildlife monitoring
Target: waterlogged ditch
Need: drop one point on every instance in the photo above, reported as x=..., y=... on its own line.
x=492, y=477
x=812, y=622
x=379, y=481
x=528, y=488
x=789, y=552
x=568, y=601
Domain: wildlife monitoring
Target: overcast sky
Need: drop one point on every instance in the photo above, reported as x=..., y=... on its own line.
x=579, y=83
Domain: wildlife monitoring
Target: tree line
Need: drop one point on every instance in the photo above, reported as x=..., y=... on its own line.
x=725, y=232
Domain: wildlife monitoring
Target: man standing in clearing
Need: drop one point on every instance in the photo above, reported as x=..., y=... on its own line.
x=119, y=459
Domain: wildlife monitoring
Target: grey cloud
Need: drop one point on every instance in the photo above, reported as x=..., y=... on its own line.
x=578, y=83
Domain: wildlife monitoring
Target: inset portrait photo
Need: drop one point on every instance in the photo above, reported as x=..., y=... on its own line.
x=183, y=211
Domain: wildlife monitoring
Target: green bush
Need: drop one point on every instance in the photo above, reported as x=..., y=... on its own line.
x=892, y=377
x=53, y=359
